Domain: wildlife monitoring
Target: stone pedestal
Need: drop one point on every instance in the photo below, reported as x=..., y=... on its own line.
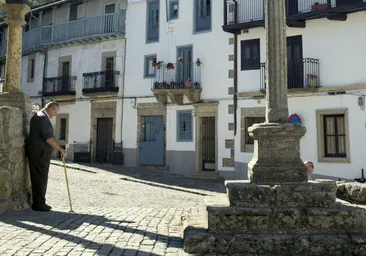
x=14, y=176
x=276, y=156
x=278, y=220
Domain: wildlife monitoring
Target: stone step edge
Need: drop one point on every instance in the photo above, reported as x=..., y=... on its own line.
x=198, y=240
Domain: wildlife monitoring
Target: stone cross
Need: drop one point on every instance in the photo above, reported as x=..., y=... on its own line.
x=276, y=62
x=15, y=11
x=276, y=157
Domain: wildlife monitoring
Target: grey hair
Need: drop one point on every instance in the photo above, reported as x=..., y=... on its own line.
x=52, y=104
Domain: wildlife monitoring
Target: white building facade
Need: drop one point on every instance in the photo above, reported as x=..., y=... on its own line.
x=73, y=53
x=176, y=84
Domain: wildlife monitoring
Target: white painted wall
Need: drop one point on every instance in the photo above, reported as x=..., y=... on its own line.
x=171, y=130
x=334, y=43
x=306, y=108
x=211, y=47
x=87, y=58
x=32, y=88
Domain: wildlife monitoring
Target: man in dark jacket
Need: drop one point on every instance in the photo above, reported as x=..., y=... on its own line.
x=39, y=147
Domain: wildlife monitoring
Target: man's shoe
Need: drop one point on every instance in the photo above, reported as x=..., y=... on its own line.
x=48, y=206
x=40, y=208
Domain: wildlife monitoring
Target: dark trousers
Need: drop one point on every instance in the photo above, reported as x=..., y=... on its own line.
x=39, y=163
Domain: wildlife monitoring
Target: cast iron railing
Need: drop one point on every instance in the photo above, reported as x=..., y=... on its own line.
x=243, y=11
x=82, y=152
x=186, y=75
x=105, y=24
x=305, y=74
x=61, y=85
x=102, y=81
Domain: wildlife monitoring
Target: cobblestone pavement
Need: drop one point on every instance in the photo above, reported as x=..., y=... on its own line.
x=115, y=214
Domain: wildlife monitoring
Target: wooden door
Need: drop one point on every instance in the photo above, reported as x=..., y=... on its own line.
x=104, y=143
x=295, y=71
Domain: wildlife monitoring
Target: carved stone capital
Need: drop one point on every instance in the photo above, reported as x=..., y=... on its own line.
x=16, y=13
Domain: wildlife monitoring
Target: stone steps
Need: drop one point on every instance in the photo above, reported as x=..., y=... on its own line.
x=270, y=244
x=223, y=219
x=320, y=193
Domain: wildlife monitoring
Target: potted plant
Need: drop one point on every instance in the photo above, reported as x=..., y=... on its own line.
x=197, y=85
x=170, y=65
x=154, y=62
x=172, y=84
x=312, y=80
x=156, y=85
x=198, y=62
x=188, y=84
x=164, y=85
x=158, y=65
x=180, y=59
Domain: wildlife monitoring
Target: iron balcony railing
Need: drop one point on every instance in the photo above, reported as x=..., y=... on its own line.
x=243, y=11
x=82, y=152
x=102, y=81
x=186, y=75
x=103, y=25
x=305, y=74
x=62, y=85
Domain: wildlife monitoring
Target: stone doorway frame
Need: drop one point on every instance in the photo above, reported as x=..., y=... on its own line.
x=205, y=110
x=149, y=109
x=104, y=109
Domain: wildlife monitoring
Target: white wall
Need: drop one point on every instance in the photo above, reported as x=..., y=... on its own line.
x=306, y=108
x=87, y=58
x=338, y=45
x=172, y=127
x=211, y=47
x=32, y=88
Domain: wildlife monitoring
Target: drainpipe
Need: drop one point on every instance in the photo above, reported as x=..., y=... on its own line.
x=235, y=97
x=123, y=90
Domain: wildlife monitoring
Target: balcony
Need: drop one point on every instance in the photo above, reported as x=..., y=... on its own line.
x=173, y=81
x=300, y=75
x=245, y=14
x=82, y=30
x=62, y=86
x=101, y=83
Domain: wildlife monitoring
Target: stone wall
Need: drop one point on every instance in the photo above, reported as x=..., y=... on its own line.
x=14, y=176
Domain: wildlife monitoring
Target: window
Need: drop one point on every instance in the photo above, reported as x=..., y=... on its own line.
x=173, y=9
x=153, y=21
x=149, y=70
x=333, y=141
x=249, y=121
x=250, y=54
x=184, y=124
x=203, y=15
x=74, y=12
x=63, y=122
x=334, y=136
x=249, y=116
x=31, y=68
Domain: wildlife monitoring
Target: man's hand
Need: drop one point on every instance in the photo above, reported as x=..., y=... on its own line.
x=63, y=153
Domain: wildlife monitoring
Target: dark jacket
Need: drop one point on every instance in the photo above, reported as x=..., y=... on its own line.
x=41, y=130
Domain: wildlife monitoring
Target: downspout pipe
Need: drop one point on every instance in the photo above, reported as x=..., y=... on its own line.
x=235, y=97
x=123, y=89
x=45, y=62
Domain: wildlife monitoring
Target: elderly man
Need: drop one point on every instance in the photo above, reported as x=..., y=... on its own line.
x=39, y=147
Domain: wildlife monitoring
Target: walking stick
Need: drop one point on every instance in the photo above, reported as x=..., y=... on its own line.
x=67, y=183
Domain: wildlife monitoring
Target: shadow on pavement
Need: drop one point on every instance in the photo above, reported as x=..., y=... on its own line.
x=159, y=176
x=56, y=224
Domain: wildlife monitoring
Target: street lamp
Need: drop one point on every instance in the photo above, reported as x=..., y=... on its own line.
x=360, y=100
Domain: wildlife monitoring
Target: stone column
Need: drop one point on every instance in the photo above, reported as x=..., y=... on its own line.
x=276, y=156
x=15, y=11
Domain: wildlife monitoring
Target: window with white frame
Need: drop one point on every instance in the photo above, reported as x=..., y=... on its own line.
x=184, y=126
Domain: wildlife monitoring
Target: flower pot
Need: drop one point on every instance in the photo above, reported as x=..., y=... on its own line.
x=188, y=84
x=181, y=62
x=153, y=64
x=198, y=63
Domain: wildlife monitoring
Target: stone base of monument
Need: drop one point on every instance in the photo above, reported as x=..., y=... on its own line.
x=286, y=219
